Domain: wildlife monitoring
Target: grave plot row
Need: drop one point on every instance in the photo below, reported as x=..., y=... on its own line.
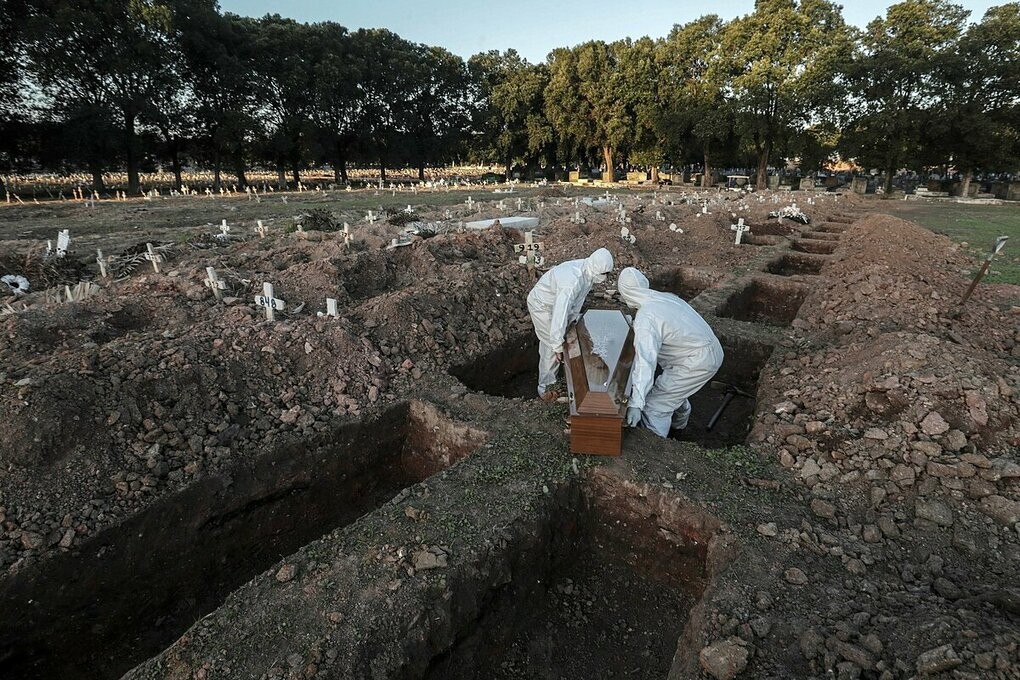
x=134, y=588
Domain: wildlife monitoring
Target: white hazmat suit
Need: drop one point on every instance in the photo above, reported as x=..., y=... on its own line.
x=556, y=300
x=670, y=334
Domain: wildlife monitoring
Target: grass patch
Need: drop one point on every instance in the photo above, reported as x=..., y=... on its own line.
x=978, y=226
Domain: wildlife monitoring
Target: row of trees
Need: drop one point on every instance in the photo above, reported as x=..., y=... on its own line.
x=98, y=84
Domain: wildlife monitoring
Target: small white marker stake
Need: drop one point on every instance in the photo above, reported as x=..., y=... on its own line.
x=102, y=261
x=740, y=228
x=470, y=202
x=63, y=242
x=371, y=217
x=214, y=282
x=346, y=231
x=301, y=231
x=267, y=300
x=331, y=308
x=224, y=230
x=261, y=229
x=153, y=257
x=627, y=236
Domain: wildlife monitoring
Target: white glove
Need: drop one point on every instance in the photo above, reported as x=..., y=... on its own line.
x=633, y=416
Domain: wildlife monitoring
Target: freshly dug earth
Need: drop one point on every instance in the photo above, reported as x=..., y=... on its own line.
x=868, y=529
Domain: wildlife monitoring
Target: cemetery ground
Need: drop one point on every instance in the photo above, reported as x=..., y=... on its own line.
x=190, y=490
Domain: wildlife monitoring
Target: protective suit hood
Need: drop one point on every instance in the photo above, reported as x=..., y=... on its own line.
x=598, y=264
x=633, y=287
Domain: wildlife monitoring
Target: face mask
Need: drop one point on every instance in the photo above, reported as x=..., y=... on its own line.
x=600, y=278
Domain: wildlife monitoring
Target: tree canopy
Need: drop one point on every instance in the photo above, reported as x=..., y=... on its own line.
x=99, y=85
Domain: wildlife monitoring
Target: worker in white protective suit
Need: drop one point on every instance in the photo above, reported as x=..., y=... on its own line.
x=670, y=334
x=555, y=301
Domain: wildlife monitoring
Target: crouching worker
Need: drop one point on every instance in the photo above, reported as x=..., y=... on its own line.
x=670, y=334
x=555, y=301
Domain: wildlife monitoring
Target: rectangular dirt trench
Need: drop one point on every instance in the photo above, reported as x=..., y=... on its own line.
x=602, y=588
x=135, y=588
x=510, y=370
x=770, y=300
x=731, y=394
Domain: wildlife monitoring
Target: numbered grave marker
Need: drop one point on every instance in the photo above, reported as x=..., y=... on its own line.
x=214, y=282
x=740, y=228
x=261, y=229
x=153, y=257
x=531, y=250
x=271, y=303
x=371, y=217
x=627, y=236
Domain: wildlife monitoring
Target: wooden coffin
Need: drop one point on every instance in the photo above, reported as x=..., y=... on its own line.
x=599, y=353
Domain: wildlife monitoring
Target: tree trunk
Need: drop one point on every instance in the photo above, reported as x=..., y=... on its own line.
x=297, y=175
x=382, y=171
x=239, y=170
x=175, y=162
x=761, y=178
x=965, y=180
x=336, y=172
x=707, y=174
x=216, y=172
x=281, y=177
x=655, y=174
x=507, y=166
x=888, y=179
x=96, y=171
x=130, y=152
x=607, y=157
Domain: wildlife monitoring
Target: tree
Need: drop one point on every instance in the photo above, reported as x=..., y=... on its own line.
x=693, y=110
x=283, y=52
x=336, y=104
x=433, y=113
x=977, y=119
x=781, y=60
x=896, y=77
x=587, y=100
x=103, y=56
x=508, y=119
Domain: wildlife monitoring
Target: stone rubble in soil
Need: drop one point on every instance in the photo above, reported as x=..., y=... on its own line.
x=896, y=422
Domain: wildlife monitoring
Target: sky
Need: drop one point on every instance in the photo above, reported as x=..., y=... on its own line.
x=532, y=27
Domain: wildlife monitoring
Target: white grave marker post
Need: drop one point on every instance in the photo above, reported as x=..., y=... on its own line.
x=63, y=242
x=531, y=250
x=627, y=236
x=301, y=231
x=224, y=230
x=371, y=217
x=267, y=300
x=331, y=309
x=470, y=202
x=740, y=228
x=261, y=229
x=153, y=257
x=102, y=261
x=214, y=282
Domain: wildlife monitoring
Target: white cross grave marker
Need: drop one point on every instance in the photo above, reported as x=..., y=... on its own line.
x=261, y=229
x=470, y=202
x=214, y=282
x=371, y=217
x=153, y=257
x=267, y=300
x=531, y=249
x=224, y=231
x=740, y=228
x=627, y=236
x=301, y=233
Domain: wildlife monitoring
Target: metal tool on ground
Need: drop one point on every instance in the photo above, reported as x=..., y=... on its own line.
x=731, y=391
x=1000, y=243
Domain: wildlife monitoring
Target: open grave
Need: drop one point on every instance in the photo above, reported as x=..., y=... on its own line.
x=136, y=587
x=767, y=240
x=686, y=282
x=770, y=300
x=790, y=264
x=601, y=588
x=831, y=228
x=822, y=236
x=816, y=246
x=735, y=387
x=509, y=370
